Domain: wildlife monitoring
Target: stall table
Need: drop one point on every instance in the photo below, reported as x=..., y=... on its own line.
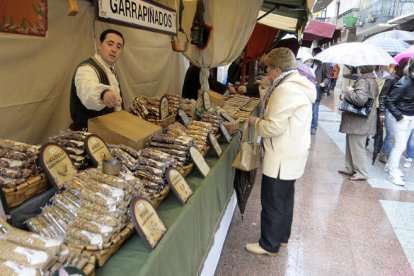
x=191, y=227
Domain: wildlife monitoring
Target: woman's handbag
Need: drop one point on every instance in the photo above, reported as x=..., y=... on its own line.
x=248, y=156
x=361, y=111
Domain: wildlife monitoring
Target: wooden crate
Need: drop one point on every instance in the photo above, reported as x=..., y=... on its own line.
x=123, y=128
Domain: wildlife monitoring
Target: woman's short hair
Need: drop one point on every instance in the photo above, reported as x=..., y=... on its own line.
x=366, y=69
x=282, y=58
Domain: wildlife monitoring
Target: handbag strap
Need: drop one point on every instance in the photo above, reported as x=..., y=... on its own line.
x=246, y=135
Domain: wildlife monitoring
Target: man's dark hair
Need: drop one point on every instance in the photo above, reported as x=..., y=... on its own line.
x=111, y=31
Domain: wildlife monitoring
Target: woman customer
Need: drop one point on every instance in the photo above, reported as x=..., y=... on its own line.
x=358, y=128
x=400, y=103
x=287, y=113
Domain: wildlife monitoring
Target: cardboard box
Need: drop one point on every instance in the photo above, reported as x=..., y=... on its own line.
x=123, y=128
x=216, y=98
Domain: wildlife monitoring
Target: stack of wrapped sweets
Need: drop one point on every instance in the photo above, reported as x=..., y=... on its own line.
x=213, y=119
x=174, y=102
x=73, y=142
x=152, y=165
x=176, y=146
x=18, y=163
x=25, y=253
x=148, y=168
x=90, y=211
x=149, y=108
x=196, y=129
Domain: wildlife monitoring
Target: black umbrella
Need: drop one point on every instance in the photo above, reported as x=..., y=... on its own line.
x=378, y=141
x=243, y=184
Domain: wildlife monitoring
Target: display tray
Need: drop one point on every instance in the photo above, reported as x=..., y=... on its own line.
x=25, y=190
x=160, y=197
x=165, y=122
x=186, y=170
x=231, y=126
x=89, y=268
x=108, y=249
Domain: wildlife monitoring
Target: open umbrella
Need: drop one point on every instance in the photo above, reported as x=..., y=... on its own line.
x=391, y=45
x=355, y=54
x=397, y=34
x=408, y=53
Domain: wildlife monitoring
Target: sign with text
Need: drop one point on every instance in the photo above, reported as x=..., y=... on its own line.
x=199, y=161
x=215, y=144
x=97, y=150
x=139, y=14
x=147, y=221
x=178, y=185
x=56, y=163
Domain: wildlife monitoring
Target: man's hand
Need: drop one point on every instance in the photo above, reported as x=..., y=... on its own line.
x=382, y=119
x=111, y=99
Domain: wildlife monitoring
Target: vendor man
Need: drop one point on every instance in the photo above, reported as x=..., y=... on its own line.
x=95, y=87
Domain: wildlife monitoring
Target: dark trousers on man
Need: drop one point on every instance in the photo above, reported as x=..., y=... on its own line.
x=277, y=197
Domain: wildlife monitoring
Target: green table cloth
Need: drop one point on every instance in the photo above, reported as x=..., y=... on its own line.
x=191, y=227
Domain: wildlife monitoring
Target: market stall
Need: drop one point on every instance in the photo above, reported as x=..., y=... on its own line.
x=190, y=228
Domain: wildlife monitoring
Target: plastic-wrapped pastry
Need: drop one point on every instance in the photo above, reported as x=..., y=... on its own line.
x=152, y=163
x=27, y=239
x=10, y=268
x=22, y=255
x=102, y=200
x=151, y=170
x=93, y=227
x=116, y=193
x=76, y=234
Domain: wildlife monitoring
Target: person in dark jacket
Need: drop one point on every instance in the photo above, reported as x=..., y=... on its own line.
x=400, y=103
x=192, y=83
x=95, y=89
x=322, y=83
x=385, y=116
x=357, y=129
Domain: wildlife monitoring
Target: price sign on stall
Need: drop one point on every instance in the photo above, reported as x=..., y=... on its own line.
x=178, y=185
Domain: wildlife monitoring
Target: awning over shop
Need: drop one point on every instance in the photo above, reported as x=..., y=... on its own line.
x=317, y=30
x=320, y=5
x=260, y=41
x=290, y=16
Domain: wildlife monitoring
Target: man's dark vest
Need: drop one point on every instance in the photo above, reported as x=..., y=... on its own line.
x=79, y=113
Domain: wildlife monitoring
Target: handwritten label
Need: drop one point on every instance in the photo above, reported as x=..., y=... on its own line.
x=199, y=161
x=178, y=185
x=147, y=221
x=164, y=112
x=225, y=133
x=56, y=163
x=206, y=101
x=183, y=117
x=215, y=144
x=97, y=150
